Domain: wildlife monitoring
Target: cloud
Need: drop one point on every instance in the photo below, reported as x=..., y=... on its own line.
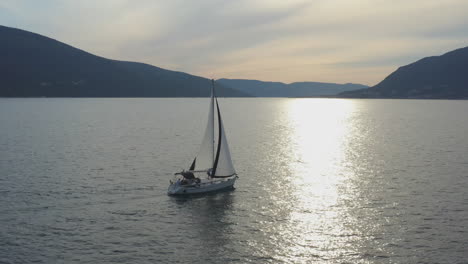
x=322, y=40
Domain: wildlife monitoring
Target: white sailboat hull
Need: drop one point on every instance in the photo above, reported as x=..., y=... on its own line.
x=202, y=187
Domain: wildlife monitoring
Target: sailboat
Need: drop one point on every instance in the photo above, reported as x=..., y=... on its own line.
x=212, y=169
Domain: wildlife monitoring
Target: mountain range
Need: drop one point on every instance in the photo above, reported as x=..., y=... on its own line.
x=32, y=65
x=437, y=77
x=297, y=89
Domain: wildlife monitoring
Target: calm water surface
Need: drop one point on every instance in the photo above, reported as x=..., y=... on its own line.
x=321, y=181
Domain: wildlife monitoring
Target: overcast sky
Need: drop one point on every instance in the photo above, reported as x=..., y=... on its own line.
x=360, y=41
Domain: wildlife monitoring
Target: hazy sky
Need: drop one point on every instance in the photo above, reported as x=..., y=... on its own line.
x=359, y=41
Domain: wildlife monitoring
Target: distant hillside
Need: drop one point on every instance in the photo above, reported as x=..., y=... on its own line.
x=297, y=89
x=32, y=65
x=439, y=77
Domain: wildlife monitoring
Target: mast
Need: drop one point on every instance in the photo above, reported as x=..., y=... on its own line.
x=212, y=119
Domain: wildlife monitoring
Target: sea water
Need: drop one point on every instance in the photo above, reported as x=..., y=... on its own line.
x=320, y=181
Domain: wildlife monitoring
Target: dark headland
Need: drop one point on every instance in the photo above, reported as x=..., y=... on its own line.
x=438, y=77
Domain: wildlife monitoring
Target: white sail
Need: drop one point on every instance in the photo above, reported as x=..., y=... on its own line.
x=205, y=158
x=224, y=166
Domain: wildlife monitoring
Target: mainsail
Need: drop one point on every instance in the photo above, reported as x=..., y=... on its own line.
x=219, y=160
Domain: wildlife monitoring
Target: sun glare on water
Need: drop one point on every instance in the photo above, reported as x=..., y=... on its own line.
x=319, y=128
x=319, y=131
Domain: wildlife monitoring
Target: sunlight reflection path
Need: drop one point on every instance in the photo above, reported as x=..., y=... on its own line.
x=317, y=228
